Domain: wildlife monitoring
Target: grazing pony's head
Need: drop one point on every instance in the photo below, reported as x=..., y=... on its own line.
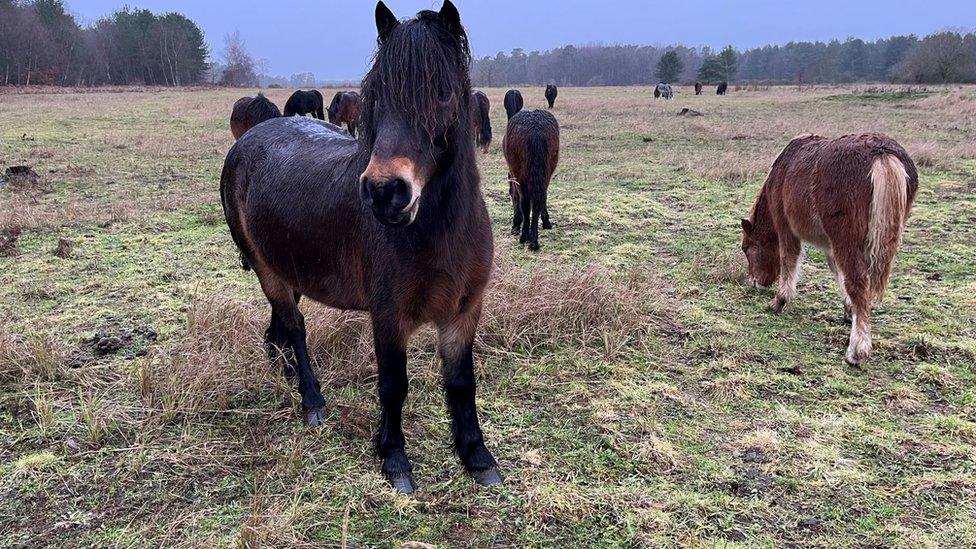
x=415, y=108
x=760, y=244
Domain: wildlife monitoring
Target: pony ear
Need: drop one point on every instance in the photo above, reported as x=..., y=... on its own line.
x=385, y=21
x=747, y=226
x=451, y=18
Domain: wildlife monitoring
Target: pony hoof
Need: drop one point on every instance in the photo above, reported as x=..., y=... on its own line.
x=402, y=482
x=777, y=305
x=487, y=477
x=315, y=418
x=534, y=246
x=547, y=226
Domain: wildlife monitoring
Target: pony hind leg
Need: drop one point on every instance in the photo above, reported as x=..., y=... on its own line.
x=455, y=339
x=390, y=342
x=853, y=267
x=841, y=285
x=545, y=216
x=287, y=332
x=513, y=192
x=525, y=215
x=538, y=204
x=790, y=250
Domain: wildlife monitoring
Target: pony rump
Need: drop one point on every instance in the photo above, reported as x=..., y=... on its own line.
x=421, y=67
x=886, y=224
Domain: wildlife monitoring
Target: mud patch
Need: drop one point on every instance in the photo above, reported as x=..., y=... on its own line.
x=129, y=343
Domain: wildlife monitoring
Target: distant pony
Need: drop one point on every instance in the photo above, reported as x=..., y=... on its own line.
x=722, y=88
x=344, y=109
x=513, y=102
x=302, y=103
x=698, y=88
x=551, y=93
x=848, y=196
x=249, y=112
x=663, y=90
x=480, y=121
x=531, y=149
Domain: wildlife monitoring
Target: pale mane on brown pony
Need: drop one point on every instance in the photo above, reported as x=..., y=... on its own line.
x=850, y=197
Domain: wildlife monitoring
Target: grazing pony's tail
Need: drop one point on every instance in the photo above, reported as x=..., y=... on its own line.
x=538, y=157
x=889, y=211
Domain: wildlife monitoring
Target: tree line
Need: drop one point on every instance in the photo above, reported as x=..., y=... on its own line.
x=41, y=43
x=944, y=57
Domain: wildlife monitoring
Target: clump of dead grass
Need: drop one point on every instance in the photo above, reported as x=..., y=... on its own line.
x=218, y=360
x=728, y=266
x=730, y=166
x=955, y=103
x=545, y=306
x=36, y=357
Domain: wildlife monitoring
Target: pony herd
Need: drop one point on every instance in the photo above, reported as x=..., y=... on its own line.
x=664, y=90
x=393, y=221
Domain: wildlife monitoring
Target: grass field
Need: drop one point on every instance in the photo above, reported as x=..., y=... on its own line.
x=633, y=390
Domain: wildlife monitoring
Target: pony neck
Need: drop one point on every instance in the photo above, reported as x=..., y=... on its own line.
x=762, y=219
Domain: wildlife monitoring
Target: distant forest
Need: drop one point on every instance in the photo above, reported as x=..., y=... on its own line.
x=945, y=57
x=41, y=43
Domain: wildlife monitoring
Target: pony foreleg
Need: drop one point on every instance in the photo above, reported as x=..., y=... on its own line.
x=525, y=216
x=455, y=339
x=391, y=359
x=513, y=191
x=789, y=272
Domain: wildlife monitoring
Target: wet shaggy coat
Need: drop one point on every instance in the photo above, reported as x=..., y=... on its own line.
x=513, y=102
x=722, y=88
x=481, y=120
x=302, y=200
x=531, y=149
x=302, y=103
x=849, y=196
x=551, y=93
x=249, y=112
x=344, y=109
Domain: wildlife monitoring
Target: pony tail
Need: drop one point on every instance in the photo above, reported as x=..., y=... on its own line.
x=538, y=156
x=484, y=136
x=889, y=210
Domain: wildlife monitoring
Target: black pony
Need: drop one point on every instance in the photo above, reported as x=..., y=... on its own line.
x=551, y=93
x=393, y=224
x=513, y=102
x=306, y=102
x=722, y=88
x=480, y=120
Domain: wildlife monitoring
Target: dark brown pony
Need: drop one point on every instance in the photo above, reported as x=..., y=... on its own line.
x=393, y=223
x=698, y=88
x=302, y=103
x=513, y=102
x=849, y=196
x=531, y=148
x=480, y=120
x=722, y=88
x=249, y=112
x=551, y=93
x=344, y=109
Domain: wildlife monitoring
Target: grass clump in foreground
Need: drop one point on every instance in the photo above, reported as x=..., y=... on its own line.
x=635, y=393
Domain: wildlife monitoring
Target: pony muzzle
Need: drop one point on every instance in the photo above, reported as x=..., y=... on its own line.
x=391, y=189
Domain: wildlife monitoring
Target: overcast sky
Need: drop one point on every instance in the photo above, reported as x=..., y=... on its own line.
x=335, y=38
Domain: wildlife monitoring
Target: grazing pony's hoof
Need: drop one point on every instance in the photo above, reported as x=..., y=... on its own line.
x=487, y=477
x=403, y=483
x=315, y=418
x=534, y=246
x=546, y=225
x=777, y=304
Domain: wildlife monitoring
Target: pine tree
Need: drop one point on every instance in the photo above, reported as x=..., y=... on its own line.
x=669, y=67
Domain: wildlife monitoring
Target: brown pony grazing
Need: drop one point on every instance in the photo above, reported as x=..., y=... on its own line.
x=849, y=196
x=480, y=121
x=249, y=112
x=393, y=223
x=698, y=88
x=344, y=109
x=531, y=148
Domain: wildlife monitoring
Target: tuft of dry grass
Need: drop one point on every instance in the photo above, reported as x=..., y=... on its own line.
x=954, y=103
x=217, y=361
